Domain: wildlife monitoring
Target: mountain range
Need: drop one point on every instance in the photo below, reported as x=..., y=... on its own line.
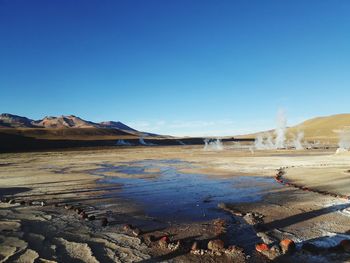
x=13, y=121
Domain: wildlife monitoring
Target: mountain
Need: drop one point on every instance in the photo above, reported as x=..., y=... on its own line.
x=69, y=121
x=13, y=121
x=61, y=122
x=116, y=125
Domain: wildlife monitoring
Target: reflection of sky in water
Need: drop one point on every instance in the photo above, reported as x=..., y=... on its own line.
x=173, y=195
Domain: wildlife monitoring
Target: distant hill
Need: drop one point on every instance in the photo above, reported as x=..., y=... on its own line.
x=116, y=125
x=324, y=129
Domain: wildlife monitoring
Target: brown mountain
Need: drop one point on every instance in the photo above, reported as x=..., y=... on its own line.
x=61, y=122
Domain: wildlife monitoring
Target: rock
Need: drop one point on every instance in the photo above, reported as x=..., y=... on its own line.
x=345, y=245
x=174, y=246
x=136, y=232
x=83, y=215
x=253, y=218
x=274, y=252
x=267, y=240
x=270, y=253
x=287, y=246
x=261, y=247
x=78, y=210
x=104, y=221
x=234, y=249
x=195, y=246
x=216, y=245
x=163, y=242
x=127, y=227
x=68, y=207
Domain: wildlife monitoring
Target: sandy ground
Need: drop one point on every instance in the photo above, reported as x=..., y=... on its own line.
x=53, y=233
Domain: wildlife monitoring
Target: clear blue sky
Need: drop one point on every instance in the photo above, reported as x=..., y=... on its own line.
x=176, y=67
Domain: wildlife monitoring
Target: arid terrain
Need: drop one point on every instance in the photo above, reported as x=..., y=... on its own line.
x=150, y=204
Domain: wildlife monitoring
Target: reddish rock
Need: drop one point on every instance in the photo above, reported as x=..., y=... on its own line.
x=261, y=247
x=345, y=245
x=287, y=246
x=216, y=245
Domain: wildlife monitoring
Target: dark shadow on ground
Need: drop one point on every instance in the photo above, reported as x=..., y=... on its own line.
x=13, y=190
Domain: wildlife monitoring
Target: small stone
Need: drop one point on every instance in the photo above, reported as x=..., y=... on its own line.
x=136, y=232
x=216, y=245
x=174, y=246
x=83, y=215
x=261, y=247
x=68, y=207
x=78, y=210
x=104, y=221
x=265, y=238
x=234, y=249
x=287, y=246
x=345, y=245
x=127, y=227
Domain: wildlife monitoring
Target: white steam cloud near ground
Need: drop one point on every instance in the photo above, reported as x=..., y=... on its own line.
x=278, y=139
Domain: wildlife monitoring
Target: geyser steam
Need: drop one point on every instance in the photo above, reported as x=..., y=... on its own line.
x=344, y=141
x=281, y=130
x=267, y=142
x=213, y=145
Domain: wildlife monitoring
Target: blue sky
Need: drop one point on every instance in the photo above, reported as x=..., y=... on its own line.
x=176, y=67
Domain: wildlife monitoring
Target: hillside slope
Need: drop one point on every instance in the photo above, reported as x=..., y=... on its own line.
x=323, y=128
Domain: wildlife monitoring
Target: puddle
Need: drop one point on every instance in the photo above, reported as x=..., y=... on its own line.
x=167, y=194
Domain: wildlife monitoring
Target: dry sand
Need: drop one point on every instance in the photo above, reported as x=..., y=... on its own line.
x=49, y=233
